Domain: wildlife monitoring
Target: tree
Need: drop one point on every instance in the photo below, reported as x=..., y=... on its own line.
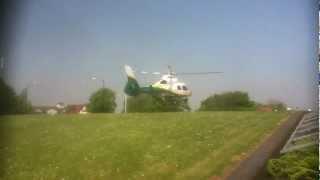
x=236, y=100
x=11, y=103
x=277, y=105
x=7, y=98
x=102, y=101
x=22, y=105
x=173, y=104
x=141, y=103
x=157, y=103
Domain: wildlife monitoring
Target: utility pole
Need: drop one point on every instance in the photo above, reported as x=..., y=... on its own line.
x=102, y=80
x=29, y=85
x=125, y=103
x=2, y=67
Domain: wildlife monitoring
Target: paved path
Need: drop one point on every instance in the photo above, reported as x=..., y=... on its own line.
x=254, y=167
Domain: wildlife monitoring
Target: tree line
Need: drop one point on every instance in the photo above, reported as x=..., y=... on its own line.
x=12, y=103
x=104, y=101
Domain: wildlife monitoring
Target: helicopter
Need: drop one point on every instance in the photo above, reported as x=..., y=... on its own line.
x=167, y=85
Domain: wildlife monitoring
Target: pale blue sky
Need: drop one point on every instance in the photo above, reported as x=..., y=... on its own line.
x=267, y=48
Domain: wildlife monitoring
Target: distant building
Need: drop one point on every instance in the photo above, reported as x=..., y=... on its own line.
x=42, y=109
x=61, y=107
x=38, y=110
x=84, y=110
x=52, y=112
x=264, y=108
x=76, y=109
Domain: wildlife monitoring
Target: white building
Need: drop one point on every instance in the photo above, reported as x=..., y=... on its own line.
x=52, y=112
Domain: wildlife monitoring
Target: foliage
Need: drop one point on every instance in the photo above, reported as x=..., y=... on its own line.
x=7, y=98
x=10, y=103
x=173, y=104
x=141, y=103
x=156, y=103
x=22, y=105
x=102, y=101
x=277, y=105
x=181, y=145
x=296, y=165
x=227, y=101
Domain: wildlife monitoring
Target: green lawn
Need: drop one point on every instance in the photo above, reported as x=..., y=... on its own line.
x=129, y=146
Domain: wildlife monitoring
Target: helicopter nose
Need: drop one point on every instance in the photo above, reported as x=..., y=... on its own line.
x=189, y=93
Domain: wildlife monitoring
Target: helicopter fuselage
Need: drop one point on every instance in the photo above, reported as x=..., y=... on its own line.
x=168, y=85
x=171, y=83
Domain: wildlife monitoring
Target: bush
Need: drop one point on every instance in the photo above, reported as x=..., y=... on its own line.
x=22, y=105
x=157, y=103
x=277, y=105
x=102, y=101
x=7, y=98
x=10, y=103
x=173, y=104
x=296, y=165
x=228, y=101
x=141, y=103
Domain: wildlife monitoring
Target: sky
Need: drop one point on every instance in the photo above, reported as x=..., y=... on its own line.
x=266, y=48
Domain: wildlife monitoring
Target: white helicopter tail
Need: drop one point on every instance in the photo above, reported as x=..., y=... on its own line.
x=129, y=71
x=132, y=87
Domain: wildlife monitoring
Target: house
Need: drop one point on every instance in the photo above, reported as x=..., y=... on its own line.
x=264, y=108
x=83, y=110
x=52, y=111
x=38, y=110
x=76, y=109
x=42, y=109
x=61, y=107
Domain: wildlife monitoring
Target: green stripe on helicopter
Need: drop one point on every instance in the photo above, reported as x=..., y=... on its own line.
x=132, y=88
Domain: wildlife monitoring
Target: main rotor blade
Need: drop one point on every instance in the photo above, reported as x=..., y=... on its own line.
x=148, y=73
x=156, y=73
x=144, y=72
x=198, y=73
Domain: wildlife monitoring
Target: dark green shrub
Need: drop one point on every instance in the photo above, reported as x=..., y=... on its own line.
x=102, y=101
x=7, y=99
x=157, y=103
x=228, y=101
x=297, y=165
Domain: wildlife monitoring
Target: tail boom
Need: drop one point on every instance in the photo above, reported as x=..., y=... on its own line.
x=132, y=87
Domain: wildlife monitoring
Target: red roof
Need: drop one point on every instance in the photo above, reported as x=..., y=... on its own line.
x=74, y=108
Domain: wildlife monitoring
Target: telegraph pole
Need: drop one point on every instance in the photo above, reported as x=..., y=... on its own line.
x=125, y=103
x=102, y=80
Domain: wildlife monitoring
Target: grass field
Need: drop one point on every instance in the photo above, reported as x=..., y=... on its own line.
x=129, y=146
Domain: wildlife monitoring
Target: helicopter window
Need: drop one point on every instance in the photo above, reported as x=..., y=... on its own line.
x=184, y=88
x=179, y=88
x=163, y=82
